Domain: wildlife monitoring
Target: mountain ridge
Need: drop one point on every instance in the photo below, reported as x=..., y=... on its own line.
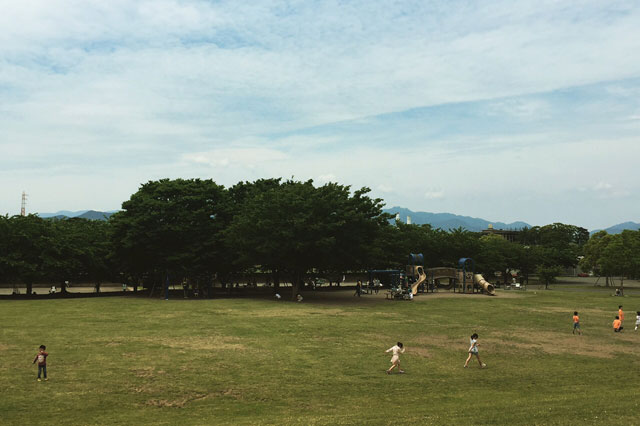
x=449, y=221
x=616, y=229
x=446, y=221
x=82, y=214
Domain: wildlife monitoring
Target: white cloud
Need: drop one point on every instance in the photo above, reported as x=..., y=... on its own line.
x=602, y=186
x=604, y=190
x=120, y=91
x=520, y=108
x=326, y=178
x=235, y=157
x=385, y=188
x=434, y=194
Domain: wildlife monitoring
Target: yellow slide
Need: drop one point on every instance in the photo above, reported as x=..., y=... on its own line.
x=488, y=288
x=422, y=277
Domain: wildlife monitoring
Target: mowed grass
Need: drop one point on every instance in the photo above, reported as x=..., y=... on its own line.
x=135, y=360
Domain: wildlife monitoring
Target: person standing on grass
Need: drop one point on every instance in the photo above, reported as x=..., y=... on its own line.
x=358, y=288
x=473, y=350
x=617, y=324
x=620, y=314
x=637, y=320
x=576, y=323
x=41, y=357
x=397, y=349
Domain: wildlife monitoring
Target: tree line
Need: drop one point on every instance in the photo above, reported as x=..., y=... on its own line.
x=201, y=232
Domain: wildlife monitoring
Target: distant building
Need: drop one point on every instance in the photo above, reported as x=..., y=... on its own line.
x=510, y=235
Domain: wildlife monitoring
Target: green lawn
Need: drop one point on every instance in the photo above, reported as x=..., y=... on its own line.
x=135, y=360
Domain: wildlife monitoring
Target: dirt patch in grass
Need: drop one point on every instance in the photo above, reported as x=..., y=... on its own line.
x=626, y=335
x=557, y=343
x=207, y=343
x=368, y=337
x=4, y=347
x=526, y=340
x=175, y=403
x=449, y=294
x=146, y=388
x=232, y=393
x=146, y=371
x=192, y=397
x=294, y=313
x=510, y=294
x=569, y=312
x=440, y=341
x=420, y=351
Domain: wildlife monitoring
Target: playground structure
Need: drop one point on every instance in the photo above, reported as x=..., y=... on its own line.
x=378, y=278
x=462, y=279
x=415, y=270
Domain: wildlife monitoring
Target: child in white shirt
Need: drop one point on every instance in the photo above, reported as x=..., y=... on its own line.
x=637, y=320
x=473, y=350
x=395, y=359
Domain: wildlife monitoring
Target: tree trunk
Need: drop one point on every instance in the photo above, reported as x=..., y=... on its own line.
x=97, y=287
x=296, y=283
x=276, y=280
x=30, y=289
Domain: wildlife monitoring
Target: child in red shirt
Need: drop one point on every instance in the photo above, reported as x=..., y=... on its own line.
x=41, y=357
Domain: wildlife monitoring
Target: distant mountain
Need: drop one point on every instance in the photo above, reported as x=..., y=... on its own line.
x=62, y=213
x=449, y=221
x=616, y=229
x=83, y=214
x=94, y=215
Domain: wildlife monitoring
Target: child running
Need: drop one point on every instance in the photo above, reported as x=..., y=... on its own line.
x=621, y=314
x=41, y=357
x=637, y=320
x=395, y=359
x=473, y=350
x=617, y=324
x=576, y=323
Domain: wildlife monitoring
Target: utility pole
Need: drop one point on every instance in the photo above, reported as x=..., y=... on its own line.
x=23, y=209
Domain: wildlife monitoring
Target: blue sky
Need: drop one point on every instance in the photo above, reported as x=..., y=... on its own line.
x=502, y=110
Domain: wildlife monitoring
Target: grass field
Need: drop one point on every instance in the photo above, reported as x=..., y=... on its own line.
x=134, y=360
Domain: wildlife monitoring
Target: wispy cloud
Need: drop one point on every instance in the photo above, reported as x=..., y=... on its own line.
x=462, y=95
x=434, y=194
x=235, y=157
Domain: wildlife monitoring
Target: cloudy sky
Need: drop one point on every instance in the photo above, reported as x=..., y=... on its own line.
x=504, y=110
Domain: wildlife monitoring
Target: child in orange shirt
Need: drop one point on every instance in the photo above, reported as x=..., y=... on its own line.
x=617, y=324
x=620, y=313
x=576, y=323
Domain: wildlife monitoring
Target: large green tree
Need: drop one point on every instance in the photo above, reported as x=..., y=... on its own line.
x=294, y=227
x=171, y=227
x=496, y=254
